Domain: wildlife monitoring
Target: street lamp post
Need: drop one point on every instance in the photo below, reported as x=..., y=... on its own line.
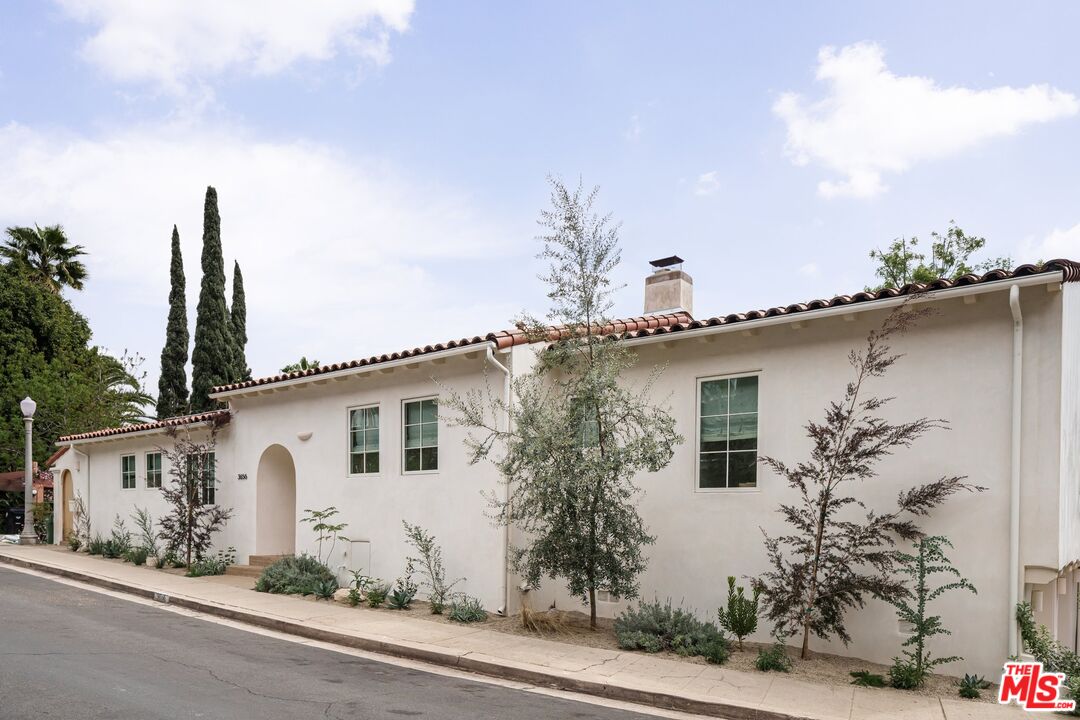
x=28, y=536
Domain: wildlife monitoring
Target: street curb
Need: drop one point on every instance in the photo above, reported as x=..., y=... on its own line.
x=665, y=701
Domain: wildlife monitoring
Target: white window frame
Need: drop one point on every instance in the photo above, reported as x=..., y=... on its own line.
x=348, y=441
x=438, y=446
x=134, y=471
x=146, y=468
x=697, y=434
x=203, y=485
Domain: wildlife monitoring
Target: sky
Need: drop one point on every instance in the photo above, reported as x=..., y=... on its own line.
x=381, y=164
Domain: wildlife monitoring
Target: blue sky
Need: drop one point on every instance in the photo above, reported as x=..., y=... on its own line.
x=380, y=164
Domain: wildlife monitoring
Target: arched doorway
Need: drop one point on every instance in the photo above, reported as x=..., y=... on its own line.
x=67, y=494
x=275, y=503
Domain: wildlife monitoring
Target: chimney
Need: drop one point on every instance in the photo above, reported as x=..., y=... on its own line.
x=668, y=289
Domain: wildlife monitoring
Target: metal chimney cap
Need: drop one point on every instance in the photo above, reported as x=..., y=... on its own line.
x=667, y=262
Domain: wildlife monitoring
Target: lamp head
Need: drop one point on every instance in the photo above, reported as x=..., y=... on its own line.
x=28, y=407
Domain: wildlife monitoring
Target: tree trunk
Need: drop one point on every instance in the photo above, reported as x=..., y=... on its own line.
x=592, y=608
x=805, y=654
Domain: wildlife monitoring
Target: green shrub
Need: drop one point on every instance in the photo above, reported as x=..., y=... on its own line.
x=774, y=659
x=298, y=575
x=96, y=546
x=111, y=549
x=213, y=565
x=120, y=539
x=653, y=627
x=73, y=542
x=402, y=596
x=136, y=556
x=906, y=674
x=376, y=593
x=1054, y=656
x=864, y=678
x=466, y=609
x=354, y=597
x=971, y=686
x=325, y=589
x=741, y=614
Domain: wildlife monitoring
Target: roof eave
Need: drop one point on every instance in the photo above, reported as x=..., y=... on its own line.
x=322, y=378
x=118, y=436
x=670, y=334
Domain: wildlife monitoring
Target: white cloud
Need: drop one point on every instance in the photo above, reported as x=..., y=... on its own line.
x=342, y=256
x=872, y=122
x=707, y=183
x=1058, y=244
x=174, y=42
x=810, y=269
x=633, y=130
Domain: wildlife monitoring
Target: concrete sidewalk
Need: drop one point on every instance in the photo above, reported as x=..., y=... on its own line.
x=632, y=677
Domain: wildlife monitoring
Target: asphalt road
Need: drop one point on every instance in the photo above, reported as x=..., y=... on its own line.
x=73, y=654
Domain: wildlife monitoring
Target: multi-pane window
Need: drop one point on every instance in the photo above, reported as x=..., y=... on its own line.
x=127, y=472
x=202, y=468
x=728, y=427
x=364, y=440
x=153, y=470
x=589, y=430
x=421, y=435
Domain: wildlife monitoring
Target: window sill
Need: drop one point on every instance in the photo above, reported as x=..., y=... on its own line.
x=362, y=476
x=727, y=491
x=406, y=473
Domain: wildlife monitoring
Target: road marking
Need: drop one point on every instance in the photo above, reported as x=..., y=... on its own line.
x=161, y=602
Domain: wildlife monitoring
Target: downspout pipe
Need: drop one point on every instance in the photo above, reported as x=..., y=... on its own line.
x=505, y=609
x=1014, y=478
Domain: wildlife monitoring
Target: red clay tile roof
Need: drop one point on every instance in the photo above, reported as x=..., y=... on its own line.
x=501, y=340
x=220, y=415
x=1070, y=270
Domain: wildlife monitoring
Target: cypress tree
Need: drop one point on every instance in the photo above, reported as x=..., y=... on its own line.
x=211, y=359
x=172, y=385
x=239, y=325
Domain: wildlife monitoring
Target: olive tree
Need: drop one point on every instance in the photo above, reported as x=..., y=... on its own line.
x=574, y=433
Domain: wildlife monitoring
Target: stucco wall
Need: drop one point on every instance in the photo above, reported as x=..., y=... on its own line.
x=447, y=503
x=1070, y=424
x=957, y=367
x=97, y=480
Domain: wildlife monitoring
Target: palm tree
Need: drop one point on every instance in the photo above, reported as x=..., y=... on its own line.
x=47, y=254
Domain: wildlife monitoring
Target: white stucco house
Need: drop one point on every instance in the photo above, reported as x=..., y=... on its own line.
x=1000, y=360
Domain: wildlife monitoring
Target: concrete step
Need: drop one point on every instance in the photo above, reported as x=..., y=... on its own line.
x=263, y=560
x=244, y=570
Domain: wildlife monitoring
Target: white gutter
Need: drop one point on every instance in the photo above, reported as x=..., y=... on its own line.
x=359, y=370
x=1014, y=480
x=865, y=306
x=490, y=357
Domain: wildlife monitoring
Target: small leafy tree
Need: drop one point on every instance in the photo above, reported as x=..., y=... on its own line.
x=302, y=364
x=929, y=560
x=148, y=537
x=188, y=527
x=577, y=434
x=80, y=520
x=325, y=530
x=431, y=565
x=740, y=616
x=901, y=263
x=833, y=560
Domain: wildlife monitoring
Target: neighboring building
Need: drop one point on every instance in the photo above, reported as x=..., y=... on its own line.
x=999, y=359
